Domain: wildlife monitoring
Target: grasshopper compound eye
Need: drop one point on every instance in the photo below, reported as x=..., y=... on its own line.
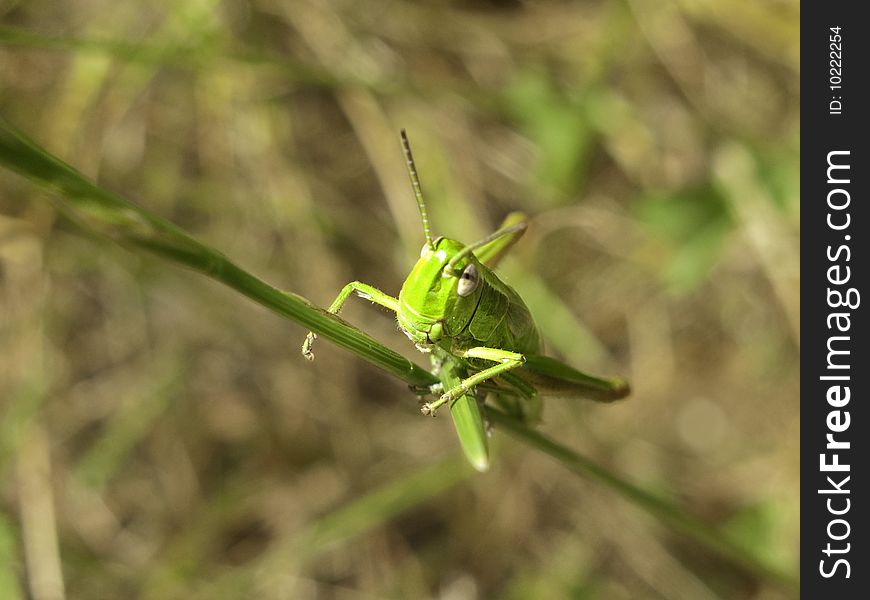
x=467, y=281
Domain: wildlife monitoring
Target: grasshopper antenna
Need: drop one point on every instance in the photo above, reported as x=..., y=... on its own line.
x=418, y=192
x=451, y=265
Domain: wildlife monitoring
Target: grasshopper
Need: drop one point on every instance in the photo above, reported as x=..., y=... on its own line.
x=482, y=339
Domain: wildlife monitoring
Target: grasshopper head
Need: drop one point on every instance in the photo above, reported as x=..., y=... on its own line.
x=440, y=295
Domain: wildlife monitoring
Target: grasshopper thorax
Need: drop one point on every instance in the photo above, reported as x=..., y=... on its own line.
x=440, y=295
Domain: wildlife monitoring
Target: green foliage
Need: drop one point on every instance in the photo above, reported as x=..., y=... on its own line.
x=559, y=126
x=136, y=227
x=693, y=224
x=9, y=567
x=192, y=451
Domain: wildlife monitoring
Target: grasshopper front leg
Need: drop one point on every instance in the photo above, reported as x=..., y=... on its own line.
x=362, y=290
x=505, y=362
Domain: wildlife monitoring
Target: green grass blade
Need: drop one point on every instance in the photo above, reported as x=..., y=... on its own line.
x=467, y=420
x=134, y=226
x=668, y=513
x=377, y=507
x=192, y=55
x=369, y=511
x=9, y=585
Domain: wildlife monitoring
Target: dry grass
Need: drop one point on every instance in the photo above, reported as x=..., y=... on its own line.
x=162, y=437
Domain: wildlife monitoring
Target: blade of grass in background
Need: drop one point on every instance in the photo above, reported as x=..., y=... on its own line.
x=184, y=55
x=126, y=428
x=287, y=558
x=665, y=511
x=133, y=226
x=9, y=587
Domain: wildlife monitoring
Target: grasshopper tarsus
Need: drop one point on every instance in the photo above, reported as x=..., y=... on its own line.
x=431, y=407
x=306, y=346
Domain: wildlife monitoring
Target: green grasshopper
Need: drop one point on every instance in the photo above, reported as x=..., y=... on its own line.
x=480, y=335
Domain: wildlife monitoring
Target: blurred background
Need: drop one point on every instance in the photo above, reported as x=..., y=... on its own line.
x=162, y=437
